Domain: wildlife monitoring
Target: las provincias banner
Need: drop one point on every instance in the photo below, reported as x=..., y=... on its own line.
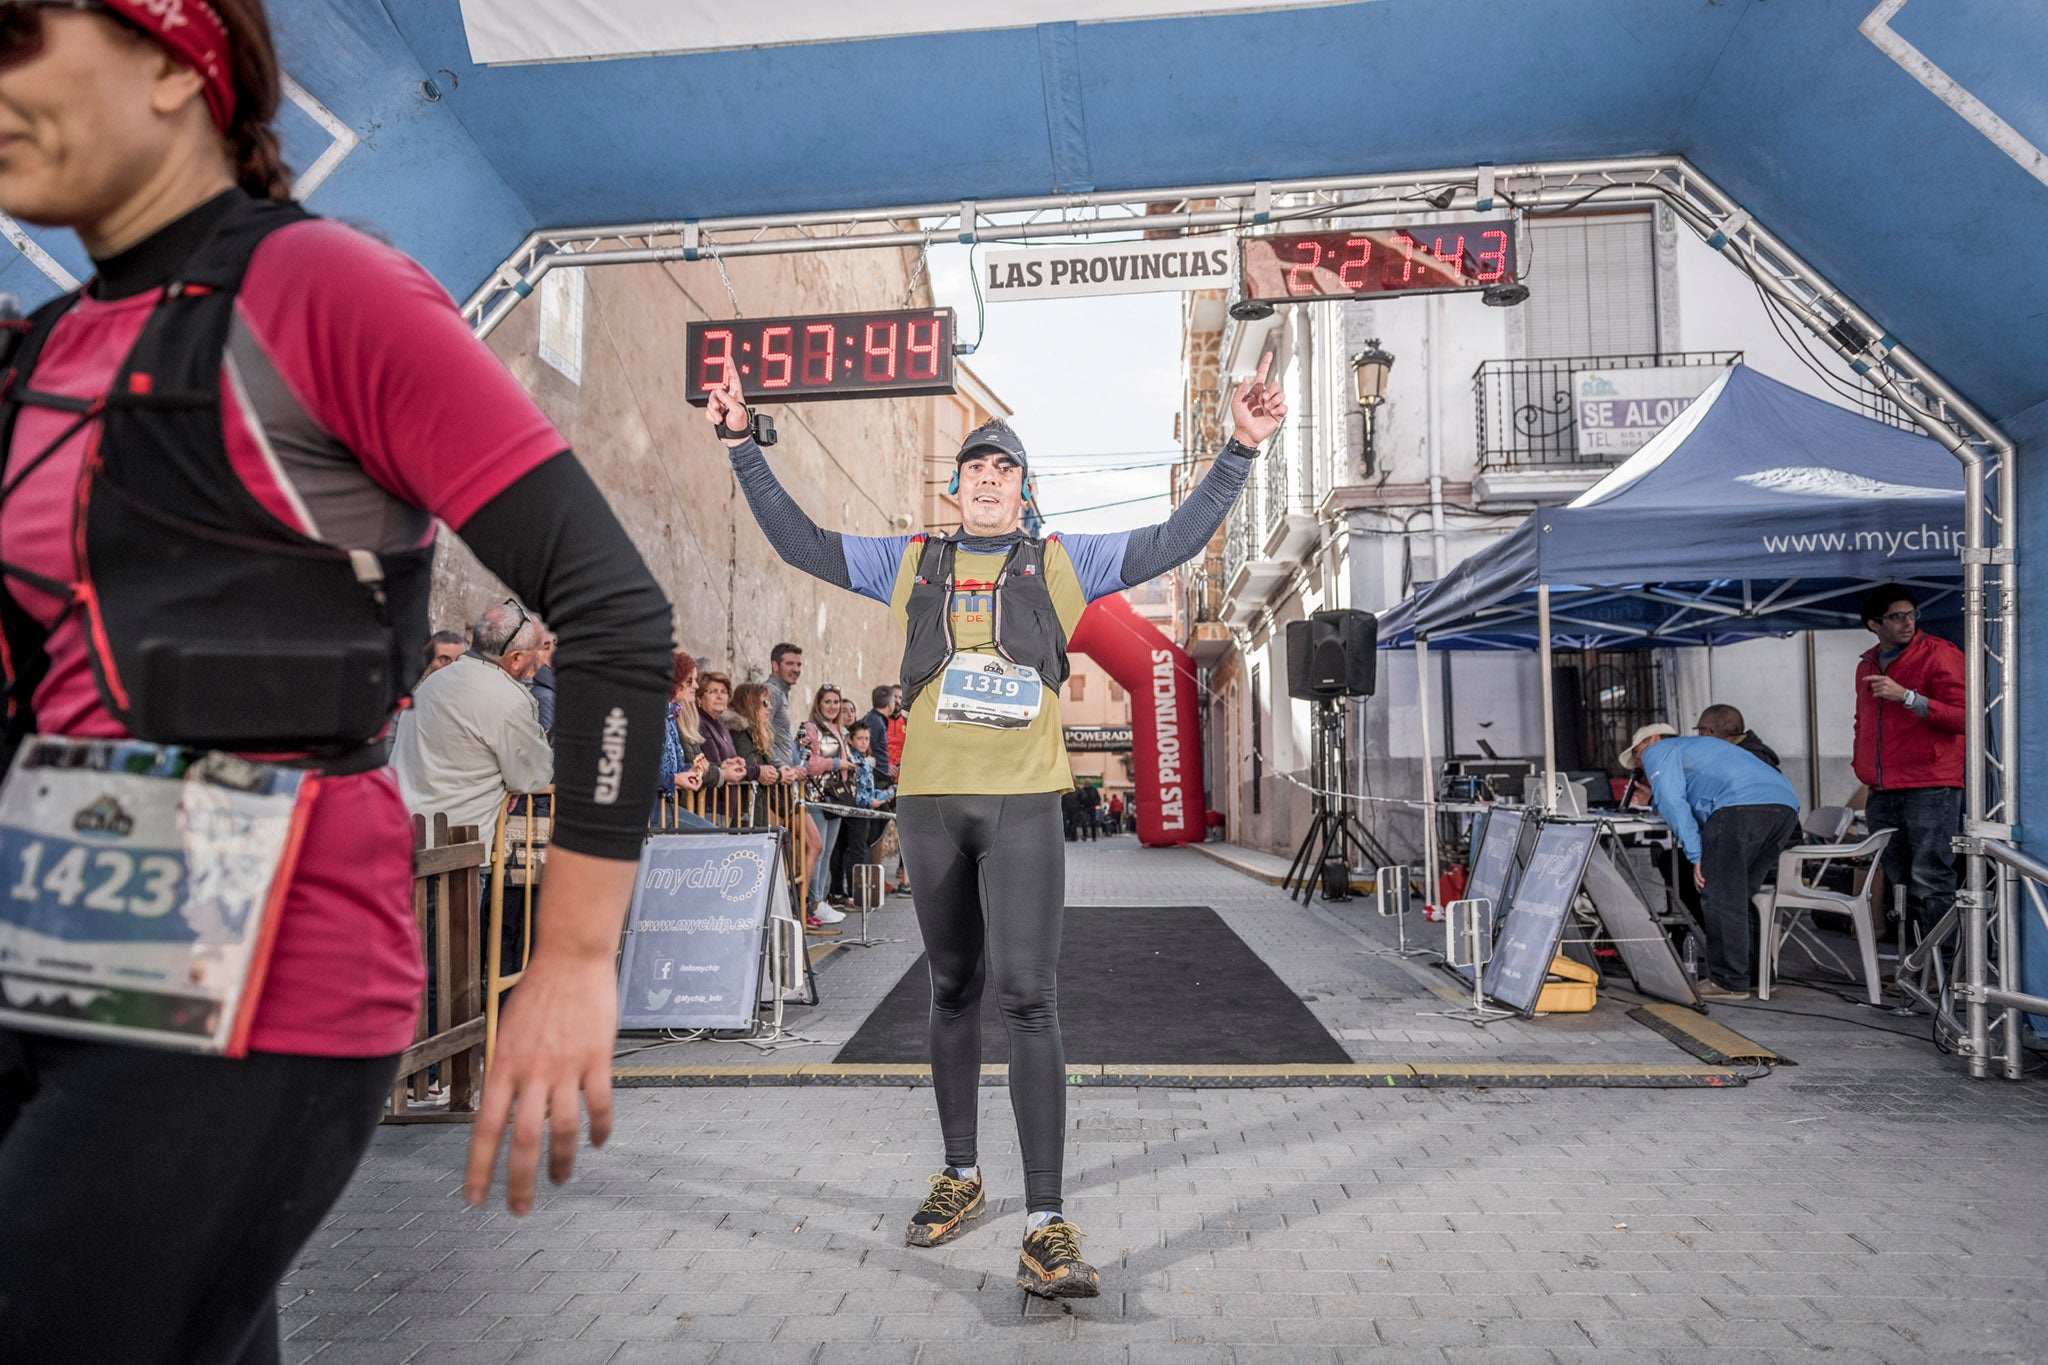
x=1073, y=272
x=1166, y=718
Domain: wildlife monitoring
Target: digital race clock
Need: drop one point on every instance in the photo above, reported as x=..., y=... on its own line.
x=837, y=355
x=1297, y=266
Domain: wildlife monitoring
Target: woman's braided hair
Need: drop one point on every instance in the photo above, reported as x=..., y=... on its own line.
x=251, y=139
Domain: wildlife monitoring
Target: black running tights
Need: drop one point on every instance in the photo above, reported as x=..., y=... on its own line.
x=990, y=875
x=150, y=1201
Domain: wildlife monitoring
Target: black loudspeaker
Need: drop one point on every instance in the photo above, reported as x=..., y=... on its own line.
x=1333, y=654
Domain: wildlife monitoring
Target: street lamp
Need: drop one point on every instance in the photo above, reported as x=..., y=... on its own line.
x=1369, y=382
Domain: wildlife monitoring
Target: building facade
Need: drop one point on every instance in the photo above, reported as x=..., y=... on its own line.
x=1356, y=508
x=601, y=351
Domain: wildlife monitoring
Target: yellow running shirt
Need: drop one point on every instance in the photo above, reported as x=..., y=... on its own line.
x=951, y=760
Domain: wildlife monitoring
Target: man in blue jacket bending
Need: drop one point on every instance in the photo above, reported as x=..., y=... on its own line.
x=1732, y=813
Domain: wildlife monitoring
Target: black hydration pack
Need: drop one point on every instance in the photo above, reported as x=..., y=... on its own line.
x=1027, y=628
x=210, y=622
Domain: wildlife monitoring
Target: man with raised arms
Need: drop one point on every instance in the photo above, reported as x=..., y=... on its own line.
x=986, y=613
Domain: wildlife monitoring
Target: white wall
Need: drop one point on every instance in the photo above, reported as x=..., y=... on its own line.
x=1766, y=681
x=1719, y=311
x=1497, y=697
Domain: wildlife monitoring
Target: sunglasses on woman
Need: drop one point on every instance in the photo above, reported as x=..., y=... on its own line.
x=21, y=25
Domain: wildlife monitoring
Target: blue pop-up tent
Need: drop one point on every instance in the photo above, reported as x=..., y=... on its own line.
x=1760, y=511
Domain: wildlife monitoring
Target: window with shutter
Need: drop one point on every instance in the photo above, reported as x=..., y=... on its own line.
x=1592, y=288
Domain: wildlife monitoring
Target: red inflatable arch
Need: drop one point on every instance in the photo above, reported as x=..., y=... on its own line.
x=1166, y=718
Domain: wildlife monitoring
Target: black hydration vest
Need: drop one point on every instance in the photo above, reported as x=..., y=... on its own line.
x=1027, y=628
x=210, y=623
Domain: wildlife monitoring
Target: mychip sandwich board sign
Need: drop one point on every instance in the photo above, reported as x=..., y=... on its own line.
x=1497, y=841
x=697, y=927
x=1643, y=945
x=1536, y=915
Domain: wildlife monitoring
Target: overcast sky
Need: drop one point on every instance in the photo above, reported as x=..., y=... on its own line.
x=1094, y=383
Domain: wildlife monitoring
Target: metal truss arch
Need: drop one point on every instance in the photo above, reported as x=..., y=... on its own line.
x=1861, y=341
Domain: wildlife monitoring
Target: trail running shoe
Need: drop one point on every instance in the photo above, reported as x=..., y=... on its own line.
x=1051, y=1267
x=946, y=1211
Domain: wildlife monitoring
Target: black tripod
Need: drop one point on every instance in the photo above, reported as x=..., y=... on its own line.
x=1334, y=833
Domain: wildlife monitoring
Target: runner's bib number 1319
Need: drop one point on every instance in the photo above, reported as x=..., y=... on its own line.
x=139, y=889
x=987, y=689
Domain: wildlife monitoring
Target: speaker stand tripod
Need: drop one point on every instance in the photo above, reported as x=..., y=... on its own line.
x=1333, y=831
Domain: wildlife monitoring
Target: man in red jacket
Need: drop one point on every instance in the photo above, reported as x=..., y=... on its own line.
x=1909, y=749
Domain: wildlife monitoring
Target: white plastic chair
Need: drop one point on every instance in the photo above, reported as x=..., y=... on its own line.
x=1795, y=892
x=1571, y=797
x=1827, y=824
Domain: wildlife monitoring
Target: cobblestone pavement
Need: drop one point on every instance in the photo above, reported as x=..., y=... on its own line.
x=1871, y=1204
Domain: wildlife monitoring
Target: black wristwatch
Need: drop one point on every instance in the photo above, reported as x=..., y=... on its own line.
x=759, y=425
x=1239, y=447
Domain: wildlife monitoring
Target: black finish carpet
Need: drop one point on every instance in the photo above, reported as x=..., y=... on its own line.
x=1138, y=986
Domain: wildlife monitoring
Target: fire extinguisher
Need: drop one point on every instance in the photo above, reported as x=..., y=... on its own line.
x=1450, y=886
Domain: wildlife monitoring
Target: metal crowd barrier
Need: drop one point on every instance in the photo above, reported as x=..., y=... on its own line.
x=471, y=898
x=1973, y=989
x=751, y=805
x=446, y=868
x=519, y=852
x=517, y=856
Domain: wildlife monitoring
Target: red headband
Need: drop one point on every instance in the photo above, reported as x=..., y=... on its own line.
x=193, y=33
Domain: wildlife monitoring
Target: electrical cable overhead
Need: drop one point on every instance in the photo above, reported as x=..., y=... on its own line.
x=1087, y=472
x=1799, y=343
x=1121, y=502
x=980, y=304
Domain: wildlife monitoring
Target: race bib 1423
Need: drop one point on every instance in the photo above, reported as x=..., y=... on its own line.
x=138, y=888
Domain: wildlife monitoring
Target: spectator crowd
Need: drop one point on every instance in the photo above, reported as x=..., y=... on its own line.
x=477, y=736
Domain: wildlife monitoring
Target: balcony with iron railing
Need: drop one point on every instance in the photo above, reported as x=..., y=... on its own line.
x=1202, y=589
x=1250, y=570
x=1201, y=422
x=1237, y=537
x=1204, y=634
x=1289, y=523
x=1529, y=444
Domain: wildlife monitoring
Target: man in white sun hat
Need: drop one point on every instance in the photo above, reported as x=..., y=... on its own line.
x=1731, y=812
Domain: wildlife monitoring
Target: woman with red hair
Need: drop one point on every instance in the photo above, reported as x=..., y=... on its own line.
x=684, y=767
x=224, y=459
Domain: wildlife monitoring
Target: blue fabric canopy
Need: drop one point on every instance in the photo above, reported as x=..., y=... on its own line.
x=1895, y=148
x=1760, y=511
